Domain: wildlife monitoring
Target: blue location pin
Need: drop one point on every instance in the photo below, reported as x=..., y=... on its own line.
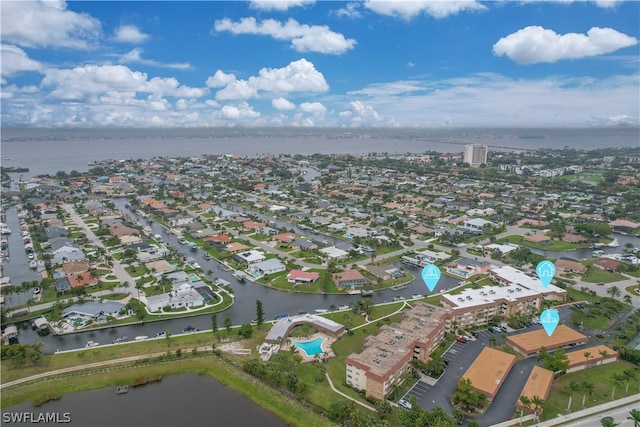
x=545, y=271
x=549, y=320
x=431, y=274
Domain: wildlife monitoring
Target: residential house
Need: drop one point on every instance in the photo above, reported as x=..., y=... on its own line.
x=467, y=267
x=268, y=266
x=249, y=257
x=570, y=265
x=300, y=277
x=607, y=264
x=181, y=296
x=349, y=279
x=93, y=310
x=67, y=253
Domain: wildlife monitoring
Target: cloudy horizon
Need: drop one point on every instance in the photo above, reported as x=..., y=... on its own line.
x=302, y=63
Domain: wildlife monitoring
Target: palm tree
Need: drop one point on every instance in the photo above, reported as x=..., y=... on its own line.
x=617, y=379
x=635, y=417
x=608, y=422
x=574, y=387
x=627, y=299
x=492, y=341
x=538, y=405
x=587, y=388
x=614, y=291
x=587, y=356
x=526, y=403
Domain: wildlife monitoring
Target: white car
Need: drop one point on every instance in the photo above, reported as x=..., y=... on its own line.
x=404, y=404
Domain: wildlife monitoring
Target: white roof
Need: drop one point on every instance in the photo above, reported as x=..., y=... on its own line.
x=513, y=275
x=333, y=252
x=487, y=294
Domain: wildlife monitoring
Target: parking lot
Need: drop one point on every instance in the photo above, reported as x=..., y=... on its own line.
x=460, y=356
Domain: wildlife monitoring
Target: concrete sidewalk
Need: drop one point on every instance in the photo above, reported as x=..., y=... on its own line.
x=575, y=416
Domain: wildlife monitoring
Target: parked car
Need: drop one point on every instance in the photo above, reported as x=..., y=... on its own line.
x=190, y=329
x=601, y=284
x=403, y=403
x=461, y=339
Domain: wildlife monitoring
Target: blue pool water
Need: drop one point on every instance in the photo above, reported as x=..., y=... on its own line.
x=194, y=278
x=311, y=347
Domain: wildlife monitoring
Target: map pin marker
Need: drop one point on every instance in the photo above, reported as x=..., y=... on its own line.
x=549, y=320
x=545, y=271
x=431, y=274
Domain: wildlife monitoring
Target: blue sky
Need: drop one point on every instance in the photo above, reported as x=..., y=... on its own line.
x=320, y=63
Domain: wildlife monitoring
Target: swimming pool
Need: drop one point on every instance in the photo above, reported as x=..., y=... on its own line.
x=311, y=348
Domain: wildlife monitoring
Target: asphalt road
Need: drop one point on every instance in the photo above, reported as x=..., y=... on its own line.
x=460, y=356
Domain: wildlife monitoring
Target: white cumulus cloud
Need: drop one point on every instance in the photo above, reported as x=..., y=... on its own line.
x=303, y=38
x=129, y=34
x=315, y=108
x=242, y=111
x=535, y=44
x=220, y=79
x=14, y=60
x=282, y=104
x=280, y=5
x=89, y=81
x=298, y=76
x=47, y=24
x=409, y=9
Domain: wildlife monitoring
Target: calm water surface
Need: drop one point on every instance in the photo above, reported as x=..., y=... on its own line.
x=184, y=400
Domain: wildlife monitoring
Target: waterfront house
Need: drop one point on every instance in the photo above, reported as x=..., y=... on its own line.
x=268, y=266
x=92, y=310
x=570, y=265
x=350, y=279
x=249, y=257
x=300, y=277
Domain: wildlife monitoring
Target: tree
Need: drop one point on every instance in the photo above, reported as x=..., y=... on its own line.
x=608, y=422
x=574, y=387
x=526, y=404
x=587, y=388
x=227, y=324
x=492, y=340
x=587, y=356
x=614, y=291
x=259, y=314
x=214, y=324
x=635, y=417
x=383, y=408
x=538, y=404
x=627, y=299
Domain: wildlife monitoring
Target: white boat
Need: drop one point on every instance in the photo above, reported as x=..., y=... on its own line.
x=614, y=243
x=5, y=231
x=321, y=310
x=33, y=264
x=141, y=337
x=91, y=344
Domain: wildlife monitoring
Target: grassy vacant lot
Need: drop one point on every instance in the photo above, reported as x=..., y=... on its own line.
x=602, y=379
x=553, y=245
x=597, y=275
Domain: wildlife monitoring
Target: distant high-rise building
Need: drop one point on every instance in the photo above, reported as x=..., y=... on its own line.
x=475, y=154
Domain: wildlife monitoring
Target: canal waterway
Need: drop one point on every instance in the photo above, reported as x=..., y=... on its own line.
x=182, y=400
x=243, y=309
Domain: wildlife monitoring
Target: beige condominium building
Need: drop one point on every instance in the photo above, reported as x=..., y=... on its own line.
x=387, y=355
x=514, y=292
x=475, y=154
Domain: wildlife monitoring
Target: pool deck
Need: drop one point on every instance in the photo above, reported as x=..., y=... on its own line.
x=326, y=346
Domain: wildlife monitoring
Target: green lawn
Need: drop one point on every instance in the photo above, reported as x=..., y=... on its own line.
x=597, y=275
x=136, y=271
x=553, y=245
x=600, y=377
